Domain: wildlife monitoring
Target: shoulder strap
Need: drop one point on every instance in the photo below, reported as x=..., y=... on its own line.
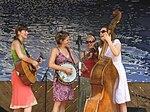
x=26, y=52
x=84, y=53
x=58, y=49
x=70, y=54
x=24, y=47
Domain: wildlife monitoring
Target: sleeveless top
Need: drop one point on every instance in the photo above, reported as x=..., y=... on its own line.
x=89, y=63
x=15, y=56
x=62, y=59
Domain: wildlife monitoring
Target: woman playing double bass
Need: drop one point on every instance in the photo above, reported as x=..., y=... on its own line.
x=113, y=50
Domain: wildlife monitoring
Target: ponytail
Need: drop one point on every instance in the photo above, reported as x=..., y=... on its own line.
x=15, y=37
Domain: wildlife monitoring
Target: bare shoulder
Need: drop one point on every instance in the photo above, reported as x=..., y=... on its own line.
x=55, y=51
x=14, y=44
x=83, y=52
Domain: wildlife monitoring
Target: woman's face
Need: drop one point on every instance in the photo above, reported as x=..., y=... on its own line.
x=66, y=41
x=90, y=41
x=23, y=34
x=102, y=32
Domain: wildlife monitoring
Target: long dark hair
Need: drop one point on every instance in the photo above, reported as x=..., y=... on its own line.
x=111, y=33
x=19, y=28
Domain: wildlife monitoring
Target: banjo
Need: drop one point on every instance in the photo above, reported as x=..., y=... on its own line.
x=69, y=79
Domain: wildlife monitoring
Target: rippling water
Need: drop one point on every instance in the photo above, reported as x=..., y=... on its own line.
x=78, y=18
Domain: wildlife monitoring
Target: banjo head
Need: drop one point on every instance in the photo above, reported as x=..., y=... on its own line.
x=67, y=79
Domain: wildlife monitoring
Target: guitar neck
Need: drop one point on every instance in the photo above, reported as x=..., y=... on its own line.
x=40, y=56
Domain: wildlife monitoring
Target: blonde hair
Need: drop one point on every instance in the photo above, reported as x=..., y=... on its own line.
x=91, y=36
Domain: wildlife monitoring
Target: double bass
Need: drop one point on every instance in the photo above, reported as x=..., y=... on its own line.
x=103, y=78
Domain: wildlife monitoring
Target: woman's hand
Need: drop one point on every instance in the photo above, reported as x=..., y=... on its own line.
x=107, y=37
x=40, y=60
x=34, y=63
x=84, y=68
x=68, y=71
x=116, y=49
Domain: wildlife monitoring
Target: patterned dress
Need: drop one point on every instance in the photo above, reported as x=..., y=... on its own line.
x=62, y=92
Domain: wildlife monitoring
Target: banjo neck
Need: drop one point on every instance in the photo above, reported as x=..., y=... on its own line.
x=86, y=56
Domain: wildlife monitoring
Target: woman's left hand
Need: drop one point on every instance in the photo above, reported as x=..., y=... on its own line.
x=107, y=37
x=40, y=60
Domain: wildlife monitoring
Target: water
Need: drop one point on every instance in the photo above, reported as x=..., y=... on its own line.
x=77, y=17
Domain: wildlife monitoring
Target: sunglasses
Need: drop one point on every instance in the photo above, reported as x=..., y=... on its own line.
x=90, y=41
x=103, y=31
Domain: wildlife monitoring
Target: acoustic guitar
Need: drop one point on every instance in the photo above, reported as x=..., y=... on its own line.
x=27, y=72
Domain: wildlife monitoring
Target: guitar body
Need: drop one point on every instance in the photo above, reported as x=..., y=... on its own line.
x=26, y=72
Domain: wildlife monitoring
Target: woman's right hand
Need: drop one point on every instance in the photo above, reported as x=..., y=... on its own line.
x=84, y=68
x=35, y=63
x=68, y=71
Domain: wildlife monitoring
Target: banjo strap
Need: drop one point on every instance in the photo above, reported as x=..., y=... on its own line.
x=56, y=72
x=70, y=55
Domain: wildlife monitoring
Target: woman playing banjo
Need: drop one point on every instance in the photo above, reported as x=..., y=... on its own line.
x=61, y=54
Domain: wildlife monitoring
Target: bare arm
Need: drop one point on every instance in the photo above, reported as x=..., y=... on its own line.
x=116, y=49
x=52, y=64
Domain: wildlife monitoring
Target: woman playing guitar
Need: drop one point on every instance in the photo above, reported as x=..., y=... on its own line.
x=22, y=95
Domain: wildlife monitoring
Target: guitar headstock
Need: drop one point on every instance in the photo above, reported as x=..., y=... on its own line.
x=40, y=56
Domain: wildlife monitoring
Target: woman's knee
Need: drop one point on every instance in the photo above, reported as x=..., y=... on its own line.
x=58, y=103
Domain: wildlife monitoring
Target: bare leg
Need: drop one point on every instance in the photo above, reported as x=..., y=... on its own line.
x=123, y=107
x=63, y=105
x=17, y=110
x=28, y=109
x=57, y=106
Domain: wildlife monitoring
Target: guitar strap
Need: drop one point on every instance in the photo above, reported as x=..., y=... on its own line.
x=24, y=47
x=26, y=52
